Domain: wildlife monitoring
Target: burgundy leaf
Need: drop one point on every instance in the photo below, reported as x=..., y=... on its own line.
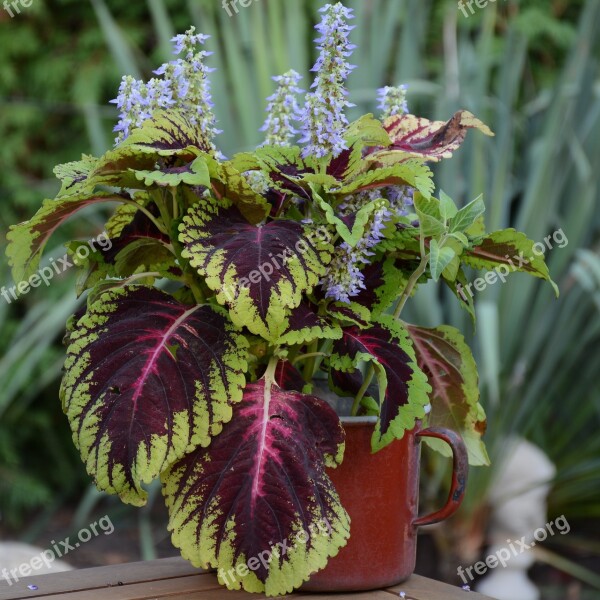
x=259, y=271
x=446, y=359
x=147, y=380
x=258, y=484
x=288, y=377
x=403, y=387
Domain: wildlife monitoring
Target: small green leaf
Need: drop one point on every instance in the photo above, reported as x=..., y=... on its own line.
x=430, y=218
x=461, y=237
x=367, y=130
x=350, y=236
x=467, y=215
x=439, y=259
x=447, y=207
x=451, y=271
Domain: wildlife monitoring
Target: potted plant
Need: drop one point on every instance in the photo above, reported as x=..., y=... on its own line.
x=234, y=289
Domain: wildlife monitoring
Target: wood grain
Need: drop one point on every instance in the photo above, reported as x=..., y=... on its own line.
x=176, y=579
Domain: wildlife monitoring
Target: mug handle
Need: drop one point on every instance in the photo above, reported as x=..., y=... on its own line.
x=460, y=470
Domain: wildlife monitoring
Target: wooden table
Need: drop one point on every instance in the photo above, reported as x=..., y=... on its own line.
x=176, y=579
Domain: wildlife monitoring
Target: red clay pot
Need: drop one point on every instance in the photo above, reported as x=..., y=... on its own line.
x=381, y=493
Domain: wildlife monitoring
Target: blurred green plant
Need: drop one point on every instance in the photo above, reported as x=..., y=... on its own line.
x=538, y=357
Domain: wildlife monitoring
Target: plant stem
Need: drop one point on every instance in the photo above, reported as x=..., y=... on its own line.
x=196, y=291
x=270, y=372
x=310, y=364
x=175, y=203
x=159, y=200
x=157, y=223
x=325, y=351
x=412, y=281
x=308, y=355
x=363, y=388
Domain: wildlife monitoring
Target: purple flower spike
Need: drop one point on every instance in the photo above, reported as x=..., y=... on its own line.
x=392, y=101
x=183, y=85
x=283, y=110
x=323, y=119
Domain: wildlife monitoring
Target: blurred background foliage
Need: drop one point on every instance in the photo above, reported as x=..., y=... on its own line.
x=530, y=69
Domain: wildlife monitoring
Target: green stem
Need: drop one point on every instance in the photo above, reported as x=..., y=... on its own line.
x=165, y=215
x=412, y=280
x=325, y=351
x=270, y=372
x=363, y=388
x=157, y=223
x=140, y=276
x=310, y=363
x=175, y=203
x=309, y=355
x=196, y=291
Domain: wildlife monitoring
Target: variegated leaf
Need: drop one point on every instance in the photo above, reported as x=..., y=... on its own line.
x=446, y=359
x=260, y=272
x=28, y=239
x=430, y=140
x=507, y=251
x=147, y=379
x=257, y=504
x=168, y=134
x=403, y=387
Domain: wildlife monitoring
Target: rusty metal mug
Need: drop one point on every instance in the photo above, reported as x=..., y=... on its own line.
x=381, y=493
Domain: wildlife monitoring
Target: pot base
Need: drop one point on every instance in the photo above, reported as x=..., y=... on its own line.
x=380, y=493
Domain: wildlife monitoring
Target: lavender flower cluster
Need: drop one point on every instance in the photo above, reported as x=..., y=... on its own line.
x=392, y=101
x=344, y=278
x=184, y=86
x=283, y=110
x=323, y=120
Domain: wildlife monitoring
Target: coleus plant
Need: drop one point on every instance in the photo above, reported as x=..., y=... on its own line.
x=234, y=284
